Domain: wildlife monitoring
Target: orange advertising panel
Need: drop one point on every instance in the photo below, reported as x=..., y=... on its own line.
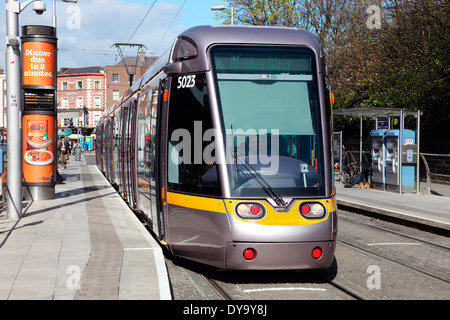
x=38, y=63
x=39, y=154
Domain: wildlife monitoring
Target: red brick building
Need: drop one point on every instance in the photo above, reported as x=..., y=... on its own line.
x=82, y=89
x=117, y=79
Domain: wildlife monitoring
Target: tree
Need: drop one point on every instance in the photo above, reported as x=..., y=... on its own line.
x=400, y=62
x=410, y=65
x=340, y=25
x=262, y=12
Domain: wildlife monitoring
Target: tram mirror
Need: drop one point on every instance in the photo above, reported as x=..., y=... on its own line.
x=304, y=168
x=173, y=68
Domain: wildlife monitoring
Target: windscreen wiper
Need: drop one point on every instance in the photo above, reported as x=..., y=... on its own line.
x=235, y=155
x=256, y=176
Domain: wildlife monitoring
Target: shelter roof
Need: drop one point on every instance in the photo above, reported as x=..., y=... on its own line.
x=371, y=112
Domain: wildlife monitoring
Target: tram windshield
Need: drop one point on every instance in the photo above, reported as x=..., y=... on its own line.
x=271, y=114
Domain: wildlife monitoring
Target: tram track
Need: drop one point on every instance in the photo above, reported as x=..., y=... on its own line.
x=406, y=240
x=397, y=233
x=218, y=289
x=421, y=270
x=359, y=237
x=338, y=286
x=223, y=294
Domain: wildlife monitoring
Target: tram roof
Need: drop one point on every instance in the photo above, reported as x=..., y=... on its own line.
x=205, y=36
x=246, y=34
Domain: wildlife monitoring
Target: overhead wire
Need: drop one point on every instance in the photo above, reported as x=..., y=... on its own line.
x=142, y=21
x=107, y=52
x=179, y=10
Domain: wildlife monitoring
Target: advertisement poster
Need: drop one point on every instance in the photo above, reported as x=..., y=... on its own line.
x=38, y=63
x=39, y=154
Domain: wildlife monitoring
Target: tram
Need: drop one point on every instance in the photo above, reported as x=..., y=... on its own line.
x=223, y=147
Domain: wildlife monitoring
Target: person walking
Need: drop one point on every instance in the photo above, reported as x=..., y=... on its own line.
x=63, y=149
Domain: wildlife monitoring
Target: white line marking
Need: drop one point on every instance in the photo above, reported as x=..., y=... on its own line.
x=394, y=244
x=284, y=289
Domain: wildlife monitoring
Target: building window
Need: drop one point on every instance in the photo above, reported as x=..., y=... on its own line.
x=79, y=85
x=96, y=119
x=64, y=103
x=79, y=102
x=64, y=86
x=97, y=85
x=115, y=77
x=97, y=102
x=115, y=95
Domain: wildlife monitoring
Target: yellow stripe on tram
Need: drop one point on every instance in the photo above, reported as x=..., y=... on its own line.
x=194, y=202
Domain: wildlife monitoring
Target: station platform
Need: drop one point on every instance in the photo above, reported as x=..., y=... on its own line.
x=86, y=244
x=430, y=211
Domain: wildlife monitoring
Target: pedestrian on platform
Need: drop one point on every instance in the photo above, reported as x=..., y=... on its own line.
x=63, y=149
x=75, y=146
x=366, y=175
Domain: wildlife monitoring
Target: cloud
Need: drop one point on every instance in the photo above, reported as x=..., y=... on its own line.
x=87, y=30
x=105, y=22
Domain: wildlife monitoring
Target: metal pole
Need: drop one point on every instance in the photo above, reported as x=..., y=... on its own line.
x=341, y=172
x=232, y=16
x=418, y=153
x=360, y=144
x=14, y=109
x=400, y=153
x=54, y=14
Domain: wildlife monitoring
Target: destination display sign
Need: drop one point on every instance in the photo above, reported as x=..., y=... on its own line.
x=263, y=60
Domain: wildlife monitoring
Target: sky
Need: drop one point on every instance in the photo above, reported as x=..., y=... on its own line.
x=87, y=30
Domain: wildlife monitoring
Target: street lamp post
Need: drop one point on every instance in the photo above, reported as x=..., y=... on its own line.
x=54, y=10
x=14, y=103
x=14, y=100
x=14, y=108
x=221, y=8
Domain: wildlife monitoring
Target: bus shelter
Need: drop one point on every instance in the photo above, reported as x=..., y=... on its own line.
x=380, y=115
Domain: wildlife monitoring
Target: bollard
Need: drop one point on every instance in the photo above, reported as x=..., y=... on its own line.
x=77, y=153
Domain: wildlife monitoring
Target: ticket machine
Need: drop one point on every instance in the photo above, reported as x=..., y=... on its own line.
x=400, y=167
x=378, y=159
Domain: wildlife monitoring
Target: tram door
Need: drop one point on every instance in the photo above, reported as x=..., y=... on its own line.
x=133, y=155
x=118, y=149
x=124, y=152
x=111, y=149
x=108, y=149
x=99, y=147
x=160, y=163
x=130, y=151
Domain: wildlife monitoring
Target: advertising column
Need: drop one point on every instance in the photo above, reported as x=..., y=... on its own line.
x=39, y=138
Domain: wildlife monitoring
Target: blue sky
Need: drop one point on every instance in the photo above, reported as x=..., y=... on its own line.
x=87, y=30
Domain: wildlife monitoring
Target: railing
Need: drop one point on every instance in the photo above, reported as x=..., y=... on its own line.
x=436, y=165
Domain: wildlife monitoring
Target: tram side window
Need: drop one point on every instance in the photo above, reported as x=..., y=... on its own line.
x=144, y=136
x=189, y=170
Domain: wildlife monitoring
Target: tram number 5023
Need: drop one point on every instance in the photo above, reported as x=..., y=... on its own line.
x=186, y=82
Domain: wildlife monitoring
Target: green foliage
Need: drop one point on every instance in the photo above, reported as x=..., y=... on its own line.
x=404, y=64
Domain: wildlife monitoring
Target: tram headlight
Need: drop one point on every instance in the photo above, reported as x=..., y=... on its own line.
x=250, y=210
x=312, y=210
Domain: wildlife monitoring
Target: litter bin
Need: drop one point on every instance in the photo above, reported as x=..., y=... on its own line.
x=77, y=153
